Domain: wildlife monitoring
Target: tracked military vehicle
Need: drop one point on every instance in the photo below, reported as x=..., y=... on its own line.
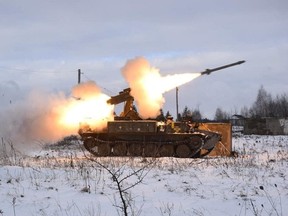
x=129, y=135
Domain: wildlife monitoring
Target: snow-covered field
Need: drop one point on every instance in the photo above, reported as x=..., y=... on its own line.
x=63, y=181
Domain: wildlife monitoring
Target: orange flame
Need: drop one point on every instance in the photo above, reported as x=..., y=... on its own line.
x=95, y=112
x=90, y=107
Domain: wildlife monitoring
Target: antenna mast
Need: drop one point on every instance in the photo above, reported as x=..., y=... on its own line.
x=177, y=112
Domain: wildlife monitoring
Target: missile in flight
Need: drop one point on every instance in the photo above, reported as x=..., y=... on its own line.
x=208, y=71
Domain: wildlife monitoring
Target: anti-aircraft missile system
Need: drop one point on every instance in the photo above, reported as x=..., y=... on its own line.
x=130, y=135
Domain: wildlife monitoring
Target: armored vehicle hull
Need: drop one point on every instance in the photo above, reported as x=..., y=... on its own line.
x=150, y=139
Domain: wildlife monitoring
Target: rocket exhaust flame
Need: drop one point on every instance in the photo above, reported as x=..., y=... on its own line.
x=148, y=86
x=45, y=117
x=91, y=108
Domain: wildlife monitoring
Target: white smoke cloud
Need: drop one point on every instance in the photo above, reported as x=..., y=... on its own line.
x=33, y=119
x=39, y=117
x=148, y=85
x=140, y=76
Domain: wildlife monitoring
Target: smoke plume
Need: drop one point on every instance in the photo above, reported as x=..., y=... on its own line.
x=45, y=117
x=148, y=86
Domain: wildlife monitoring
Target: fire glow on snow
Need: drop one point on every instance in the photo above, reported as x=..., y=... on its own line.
x=51, y=117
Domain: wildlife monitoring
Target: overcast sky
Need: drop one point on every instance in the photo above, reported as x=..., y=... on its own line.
x=43, y=43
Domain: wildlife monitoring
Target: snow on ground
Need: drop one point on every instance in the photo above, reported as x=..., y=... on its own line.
x=63, y=181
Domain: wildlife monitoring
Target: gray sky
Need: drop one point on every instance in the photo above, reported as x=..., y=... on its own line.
x=43, y=43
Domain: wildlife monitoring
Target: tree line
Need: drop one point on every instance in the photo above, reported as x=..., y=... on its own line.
x=265, y=105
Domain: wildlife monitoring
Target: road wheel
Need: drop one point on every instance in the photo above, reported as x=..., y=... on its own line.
x=150, y=150
x=120, y=149
x=135, y=149
x=183, y=151
x=166, y=151
x=89, y=143
x=195, y=143
x=104, y=149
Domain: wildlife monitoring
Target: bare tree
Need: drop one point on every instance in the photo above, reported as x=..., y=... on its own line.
x=192, y=115
x=196, y=115
x=266, y=106
x=186, y=114
x=120, y=176
x=161, y=116
x=245, y=112
x=167, y=114
x=281, y=105
x=260, y=108
x=221, y=115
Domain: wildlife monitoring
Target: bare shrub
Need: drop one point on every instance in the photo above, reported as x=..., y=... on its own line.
x=120, y=176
